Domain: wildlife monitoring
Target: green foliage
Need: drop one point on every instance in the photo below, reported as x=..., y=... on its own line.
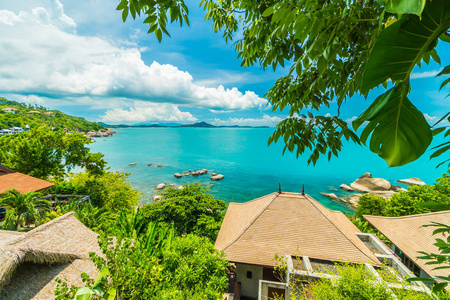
x=398, y=131
x=371, y=205
x=26, y=208
x=43, y=152
x=355, y=282
x=335, y=49
x=110, y=190
x=144, y=261
x=57, y=119
x=417, y=199
x=191, y=210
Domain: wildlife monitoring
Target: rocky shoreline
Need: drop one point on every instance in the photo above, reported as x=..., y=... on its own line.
x=367, y=184
x=100, y=133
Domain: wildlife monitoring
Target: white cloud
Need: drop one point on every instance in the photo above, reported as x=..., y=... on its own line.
x=147, y=112
x=41, y=54
x=430, y=119
x=350, y=120
x=266, y=120
x=426, y=74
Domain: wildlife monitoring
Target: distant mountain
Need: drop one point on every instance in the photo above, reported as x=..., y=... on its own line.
x=196, y=125
x=174, y=125
x=13, y=113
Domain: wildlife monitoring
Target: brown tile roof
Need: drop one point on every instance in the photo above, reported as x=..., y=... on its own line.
x=23, y=183
x=408, y=235
x=289, y=223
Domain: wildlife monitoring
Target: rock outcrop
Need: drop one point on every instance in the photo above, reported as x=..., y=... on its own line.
x=100, y=133
x=157, y=198
x=367, y=184
x=411, y=181
x=346, y=187
x=177, y=175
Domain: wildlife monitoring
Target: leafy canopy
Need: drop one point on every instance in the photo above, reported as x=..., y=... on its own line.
x=43, y=152
x=331, y=50
x=191, y=210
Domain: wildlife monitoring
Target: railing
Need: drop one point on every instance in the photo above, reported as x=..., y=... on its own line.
x=82, y=198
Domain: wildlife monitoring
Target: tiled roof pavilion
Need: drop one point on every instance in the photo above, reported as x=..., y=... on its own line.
x=292, y=224
x=21, y=182
x=407, y=234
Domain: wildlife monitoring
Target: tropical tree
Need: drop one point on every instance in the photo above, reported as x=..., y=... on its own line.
x=25, y=207
x=190, y=209
x=43, y=152
x=331, y=50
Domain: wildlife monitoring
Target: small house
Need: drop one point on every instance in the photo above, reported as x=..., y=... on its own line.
x=10, y=110
x=16, y=129
x=5, y=132
x=23, y=183
x=310, y=238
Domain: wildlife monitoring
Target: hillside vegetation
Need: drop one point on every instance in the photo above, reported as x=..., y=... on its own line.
x=56, y=119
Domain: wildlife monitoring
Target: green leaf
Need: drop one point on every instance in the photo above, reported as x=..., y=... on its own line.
x=84, y=293
x=399, y=132
x=268, y=12
x=403, y=6
x=402, y=45
x=125, y=14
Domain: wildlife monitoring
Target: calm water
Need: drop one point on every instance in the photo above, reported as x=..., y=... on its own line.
x=251, y=168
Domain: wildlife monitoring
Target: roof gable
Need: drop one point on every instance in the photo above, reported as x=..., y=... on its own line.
x=408, y=234
x=23, y=183
x=289, y=223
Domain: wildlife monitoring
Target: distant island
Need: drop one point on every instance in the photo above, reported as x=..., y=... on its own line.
x=195, y=125
x=20, y=115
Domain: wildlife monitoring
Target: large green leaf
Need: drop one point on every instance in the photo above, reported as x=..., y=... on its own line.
x=403, y=6
x=400, y=133
x=401, y=46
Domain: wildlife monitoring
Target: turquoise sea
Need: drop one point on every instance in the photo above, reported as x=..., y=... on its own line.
x=251, y=168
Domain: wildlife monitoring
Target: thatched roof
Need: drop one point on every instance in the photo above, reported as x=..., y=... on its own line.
x=23, y=183
x=64, y=242
x=292, y=224
x=409, y=236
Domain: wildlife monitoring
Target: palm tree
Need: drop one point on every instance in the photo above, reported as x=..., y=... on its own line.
x=24, y=206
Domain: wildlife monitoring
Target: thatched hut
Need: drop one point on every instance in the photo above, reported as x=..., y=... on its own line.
x=30, y=262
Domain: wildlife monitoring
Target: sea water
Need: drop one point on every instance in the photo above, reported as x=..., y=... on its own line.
x=251, y=168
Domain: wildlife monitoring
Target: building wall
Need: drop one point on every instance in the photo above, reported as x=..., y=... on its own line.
x=249, y=286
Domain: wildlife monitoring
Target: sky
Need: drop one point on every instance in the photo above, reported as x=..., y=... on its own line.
x=80, y=58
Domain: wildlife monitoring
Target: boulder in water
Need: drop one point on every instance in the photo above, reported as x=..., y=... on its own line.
x=331, y=196
x=160, y=186
x=346, y=187
x=177, y=175
x=217, y=177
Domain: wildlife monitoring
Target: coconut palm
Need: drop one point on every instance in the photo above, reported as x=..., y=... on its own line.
x=25, y=206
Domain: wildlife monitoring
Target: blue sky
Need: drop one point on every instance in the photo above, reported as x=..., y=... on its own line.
x=78, y=57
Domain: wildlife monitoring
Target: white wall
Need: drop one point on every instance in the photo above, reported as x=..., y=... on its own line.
x=249, y=287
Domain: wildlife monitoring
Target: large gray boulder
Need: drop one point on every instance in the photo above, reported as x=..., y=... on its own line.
x=177, y=175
